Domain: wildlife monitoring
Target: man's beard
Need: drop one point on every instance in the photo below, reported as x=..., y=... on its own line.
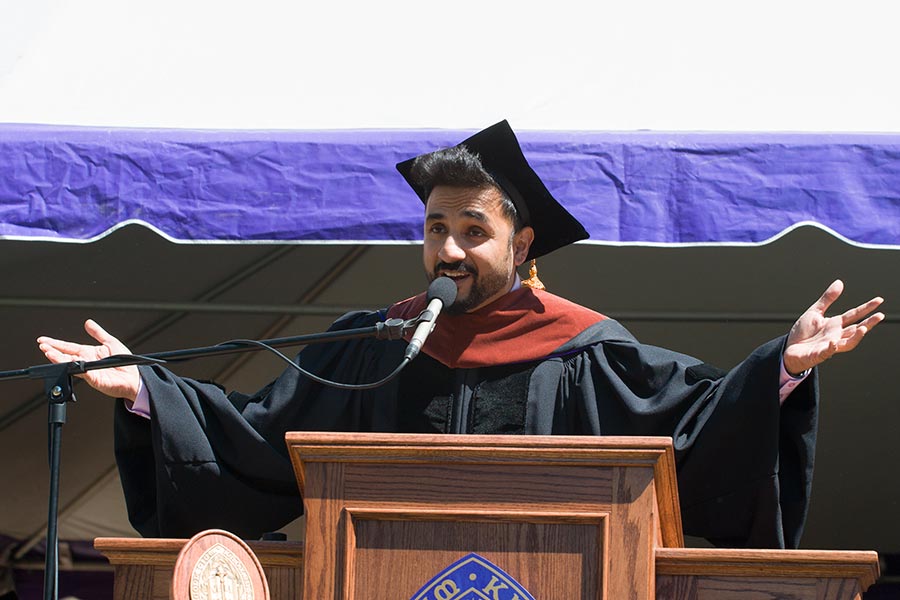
x=480, y=290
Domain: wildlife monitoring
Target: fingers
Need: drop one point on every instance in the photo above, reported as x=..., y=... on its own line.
x=832, y=293
x=54, y=355
x=63, y=351
x=868, y=324
x=109, y=342
x=851, y=316
x=853, y=335
x=855, y=314
x=98, y=333
x=70, y=348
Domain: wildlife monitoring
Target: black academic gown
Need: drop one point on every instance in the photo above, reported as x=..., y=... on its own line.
x=207, y=459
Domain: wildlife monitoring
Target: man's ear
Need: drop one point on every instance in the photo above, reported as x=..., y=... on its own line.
x=522, y=244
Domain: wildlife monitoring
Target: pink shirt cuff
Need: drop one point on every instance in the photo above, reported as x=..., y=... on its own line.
x=141, y=404
x=787, y=382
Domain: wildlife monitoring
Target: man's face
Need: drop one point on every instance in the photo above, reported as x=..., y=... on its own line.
x=470, y=240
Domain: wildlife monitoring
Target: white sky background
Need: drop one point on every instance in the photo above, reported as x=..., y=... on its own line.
x=686, y=65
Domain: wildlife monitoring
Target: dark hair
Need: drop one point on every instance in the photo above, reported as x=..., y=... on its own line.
x=460, y=167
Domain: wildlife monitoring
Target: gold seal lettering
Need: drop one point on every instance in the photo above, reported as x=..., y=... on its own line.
x=446, y=590
x=494, y=587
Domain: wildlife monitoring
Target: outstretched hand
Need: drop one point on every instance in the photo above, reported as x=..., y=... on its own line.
x=815, y=338
x=118, y=382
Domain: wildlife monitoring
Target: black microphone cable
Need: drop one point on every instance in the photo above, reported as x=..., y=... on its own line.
x=441, y=292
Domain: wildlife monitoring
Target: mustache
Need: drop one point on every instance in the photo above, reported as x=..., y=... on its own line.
x=457, y=266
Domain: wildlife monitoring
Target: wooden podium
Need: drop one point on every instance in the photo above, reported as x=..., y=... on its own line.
x=565, y=517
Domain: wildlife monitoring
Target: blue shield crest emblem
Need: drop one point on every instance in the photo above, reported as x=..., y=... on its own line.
x=472, y=577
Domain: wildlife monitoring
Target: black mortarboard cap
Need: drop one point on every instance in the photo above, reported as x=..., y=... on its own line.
x=502, y=157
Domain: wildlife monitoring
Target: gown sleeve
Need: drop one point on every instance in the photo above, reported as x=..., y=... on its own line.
x=744, y=461
x=207, y=458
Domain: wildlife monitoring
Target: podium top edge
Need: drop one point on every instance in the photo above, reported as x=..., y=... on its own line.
x=313, y=439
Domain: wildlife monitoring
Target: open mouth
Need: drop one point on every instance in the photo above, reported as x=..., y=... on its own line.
x=454, y=274
x=459, y=272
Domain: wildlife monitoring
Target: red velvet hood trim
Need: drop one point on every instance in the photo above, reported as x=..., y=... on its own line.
x=522, y=326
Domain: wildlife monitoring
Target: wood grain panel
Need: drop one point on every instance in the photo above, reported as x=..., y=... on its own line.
x=860, y=566
x=702, y=574
x=634, y=517
x=478, y=483
x=132, y=582
x=676, y=587
x=323, y=561
x=691, y=587
x=838, y=589
x=554, y=561
x=755, y=588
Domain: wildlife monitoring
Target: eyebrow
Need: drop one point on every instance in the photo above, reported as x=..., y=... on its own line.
x=472, y=214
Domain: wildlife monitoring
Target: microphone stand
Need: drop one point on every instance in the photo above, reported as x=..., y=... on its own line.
x=58, y=389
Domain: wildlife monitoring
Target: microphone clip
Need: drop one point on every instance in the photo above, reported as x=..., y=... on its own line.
x=393, y=329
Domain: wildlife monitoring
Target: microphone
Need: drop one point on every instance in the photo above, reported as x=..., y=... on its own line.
x=441, y=293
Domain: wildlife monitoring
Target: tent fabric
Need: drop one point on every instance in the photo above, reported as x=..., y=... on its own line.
x=654, y=188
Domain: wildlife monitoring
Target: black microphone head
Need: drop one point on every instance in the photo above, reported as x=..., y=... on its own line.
x=442, y=289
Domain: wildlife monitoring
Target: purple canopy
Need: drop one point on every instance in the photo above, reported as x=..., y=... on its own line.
x=77, y=184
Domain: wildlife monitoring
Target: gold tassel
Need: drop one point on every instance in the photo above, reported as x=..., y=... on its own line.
x=533, y=282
